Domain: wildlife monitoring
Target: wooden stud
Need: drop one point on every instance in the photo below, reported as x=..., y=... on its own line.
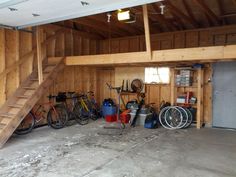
x=172, y=85
x=2, y=67
x=39, y=55
x=208, y=11
x=178, y=12
x=147, y=31
x=200, y=98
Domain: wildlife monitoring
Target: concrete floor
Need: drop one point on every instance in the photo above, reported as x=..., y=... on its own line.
x=83, y=151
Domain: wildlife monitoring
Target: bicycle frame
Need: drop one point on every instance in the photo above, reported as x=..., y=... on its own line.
x=40, y=110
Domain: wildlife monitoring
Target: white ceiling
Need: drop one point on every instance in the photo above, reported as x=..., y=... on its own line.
x=56, y=10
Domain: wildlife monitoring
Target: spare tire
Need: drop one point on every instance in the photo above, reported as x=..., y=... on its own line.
x=137, y=85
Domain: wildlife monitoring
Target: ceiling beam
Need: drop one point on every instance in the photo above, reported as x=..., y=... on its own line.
x=150, y=18
x=121, y=26
x=208, y=11
x=161, y=18
x=97, y=26
x=221, y=11
x=179, y=13
x=190, y=12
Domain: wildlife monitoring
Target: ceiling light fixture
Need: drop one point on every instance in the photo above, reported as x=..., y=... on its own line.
x=162, y=7
x=126, y=16
x=12, y=9
x=35, y=15
x=84, y=3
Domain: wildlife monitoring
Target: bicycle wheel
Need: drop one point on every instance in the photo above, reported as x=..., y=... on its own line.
x=27, y=125
x=81, y=115
x=185, y=116
x=173, y=117
x=57, y=117
x=162, y=117
x=190, y=118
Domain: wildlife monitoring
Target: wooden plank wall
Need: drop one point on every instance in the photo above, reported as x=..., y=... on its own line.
x=182, y=39
x=13, y=46
x=74, y=78
x=15, y=67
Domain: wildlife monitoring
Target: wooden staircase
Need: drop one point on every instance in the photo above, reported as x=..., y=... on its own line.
x=25, y=97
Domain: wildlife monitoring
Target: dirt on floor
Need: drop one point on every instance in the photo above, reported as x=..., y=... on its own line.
x=91, y=150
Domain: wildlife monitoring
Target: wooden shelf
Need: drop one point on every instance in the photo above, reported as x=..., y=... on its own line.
x=198, y=92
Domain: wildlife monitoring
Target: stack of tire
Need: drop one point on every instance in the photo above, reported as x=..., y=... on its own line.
x=175, y=117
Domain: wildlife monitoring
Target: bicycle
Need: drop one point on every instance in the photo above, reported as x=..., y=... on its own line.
x=87, y=106
x=73, y=107
x=56, y=117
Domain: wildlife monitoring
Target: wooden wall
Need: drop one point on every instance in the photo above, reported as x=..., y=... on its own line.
x=182, y=39
x=14, y=67
x=16, y=61
x=18, y=58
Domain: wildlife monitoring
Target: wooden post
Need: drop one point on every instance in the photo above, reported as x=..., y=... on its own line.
x=200, y=98
x=17, y=45
x=2, y=67
x=39, y=55
x=172, y=86
x=147, y=31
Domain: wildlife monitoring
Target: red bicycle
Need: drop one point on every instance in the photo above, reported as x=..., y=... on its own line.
x=55, y=114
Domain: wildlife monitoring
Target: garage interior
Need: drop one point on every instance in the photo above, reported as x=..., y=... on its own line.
x=124, y=89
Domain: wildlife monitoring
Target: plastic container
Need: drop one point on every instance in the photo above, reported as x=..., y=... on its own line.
x=108, y=110
x=111, y=118
x=151, y=122
x=141, y=118
x=125, y=118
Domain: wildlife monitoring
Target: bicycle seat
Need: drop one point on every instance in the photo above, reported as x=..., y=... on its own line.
x=61, y=93
x=70, y=93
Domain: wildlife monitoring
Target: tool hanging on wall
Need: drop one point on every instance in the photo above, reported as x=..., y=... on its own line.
x=127, y=85
x=122, y=87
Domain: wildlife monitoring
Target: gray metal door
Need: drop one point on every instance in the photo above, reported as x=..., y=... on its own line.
x=224, y=95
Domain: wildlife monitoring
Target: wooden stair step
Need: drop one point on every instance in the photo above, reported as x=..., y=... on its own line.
x=49, y=65
x=16, y=106
x=2, y=125
x=29, y=88
x=34, y=79
x=8, y=115
x=23, y=96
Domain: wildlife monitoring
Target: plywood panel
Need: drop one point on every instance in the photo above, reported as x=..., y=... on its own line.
x=192, y=39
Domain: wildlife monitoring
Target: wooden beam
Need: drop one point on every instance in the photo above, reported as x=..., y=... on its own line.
x=147, y=31
x=208, y=11
x=190, y=12
x=221, y=11
x=119, y=25
x=39, y=55
x=200, y=77
x=199, y=54
x=179, y=13
x=98, y=26
x=2, y=66
x=162, y=19
x=55, y=27
x=30, y=54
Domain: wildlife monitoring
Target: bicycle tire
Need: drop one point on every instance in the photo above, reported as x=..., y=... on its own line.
x=30, y=120
x=162, y=117
x=173, y=119
x=185, y=116
x=190, y=118
x=59, y=119
x=80, y=117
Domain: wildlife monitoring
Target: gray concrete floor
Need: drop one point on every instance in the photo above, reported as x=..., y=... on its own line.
x=83, y=151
